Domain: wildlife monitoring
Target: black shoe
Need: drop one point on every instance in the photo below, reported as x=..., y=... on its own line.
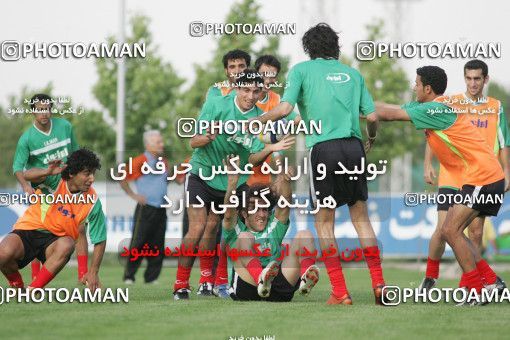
x=182, y=294
x=500, y=285
x=205, y=289
x=427, y=283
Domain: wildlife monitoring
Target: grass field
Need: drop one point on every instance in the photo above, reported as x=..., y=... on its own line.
x=151, y=313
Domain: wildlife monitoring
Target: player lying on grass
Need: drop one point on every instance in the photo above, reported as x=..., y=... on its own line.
x=49, y=232
x=490, y=121
x=267, y=277
x=454, y=140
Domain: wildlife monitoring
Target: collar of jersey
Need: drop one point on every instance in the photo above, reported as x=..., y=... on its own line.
x=242, y=112
x=44, y=133
x=266, y=98
x=473, y=102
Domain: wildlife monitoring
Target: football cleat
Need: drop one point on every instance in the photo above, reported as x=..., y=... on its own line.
x=205, y=289
x=221, y=291
x=266, y=278
x=344, y=300
x=308, y=280
x=500, y=285
x=427, y=283
x=182, y=294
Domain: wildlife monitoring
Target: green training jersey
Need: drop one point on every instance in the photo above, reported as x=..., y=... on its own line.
x=332, y=93
x=204, y=158
x=36, y=149
x=430, y=115
x=219, y=91
x=271, y=237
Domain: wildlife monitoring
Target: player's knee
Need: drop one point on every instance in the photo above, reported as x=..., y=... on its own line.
x=65, y=246
x=211, y=230
x=245, y=238
x=194, y=233
x=447, y=231
x=5, y=256
x=475, y=234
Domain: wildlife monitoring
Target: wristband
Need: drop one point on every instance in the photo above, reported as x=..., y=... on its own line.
x=82, y=265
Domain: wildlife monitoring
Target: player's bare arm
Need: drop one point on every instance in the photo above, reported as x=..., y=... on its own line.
x=37, y=175
x=279, y=111
x=429, y=174
x=230, y=216
x=503, y=158
x=372, y=126
x=91, y=278
x=199, y=141
x=25, y=185
x=389, y=112
x=257, y=158
x=283, y=188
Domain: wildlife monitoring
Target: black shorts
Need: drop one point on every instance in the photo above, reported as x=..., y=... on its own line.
x=490, y=195
x=344, y=188
x=281, y=289
x=195, y=186
x=446, y=204
x=34, y=244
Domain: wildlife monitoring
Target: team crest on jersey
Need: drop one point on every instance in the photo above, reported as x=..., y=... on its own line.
x=59, y=154
x=245, y=140
x=338, y=77
x=65, y=212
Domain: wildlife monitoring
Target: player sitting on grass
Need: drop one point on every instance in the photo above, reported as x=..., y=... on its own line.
x=266, y=277
x=48, y=232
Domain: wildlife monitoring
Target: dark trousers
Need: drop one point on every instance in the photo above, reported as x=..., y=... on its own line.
x=149, y=227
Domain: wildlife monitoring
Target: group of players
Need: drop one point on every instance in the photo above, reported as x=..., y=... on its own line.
x=467, y=150
x=48, y=161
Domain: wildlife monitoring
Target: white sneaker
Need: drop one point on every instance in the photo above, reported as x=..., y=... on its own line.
x=478, y=301
x=129, y=282
x=309, y=279
x=266, y=278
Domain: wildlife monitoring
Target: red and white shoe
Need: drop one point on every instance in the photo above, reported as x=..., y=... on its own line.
x=266, y=278
x=308, y=280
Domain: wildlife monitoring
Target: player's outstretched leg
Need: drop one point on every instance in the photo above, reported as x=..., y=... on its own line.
x=324, y=224
x=221, y=279
x=197, y=221
x=368, y=241
x=250, y=269
x=57, y=255
x=457, y=219
x=489, y=277
x=208, y=242
x=35, y=266
x=299, y=265
x=11, y=250
x=436, y=250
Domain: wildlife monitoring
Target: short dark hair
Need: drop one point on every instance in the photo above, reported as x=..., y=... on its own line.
x=236, y=54
x=435, y=77
x=476, y=64
x=40, y=97
x=268, y=59
x=249, y=76
x=253, y=191
x=321, y=41
x=82, y=159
